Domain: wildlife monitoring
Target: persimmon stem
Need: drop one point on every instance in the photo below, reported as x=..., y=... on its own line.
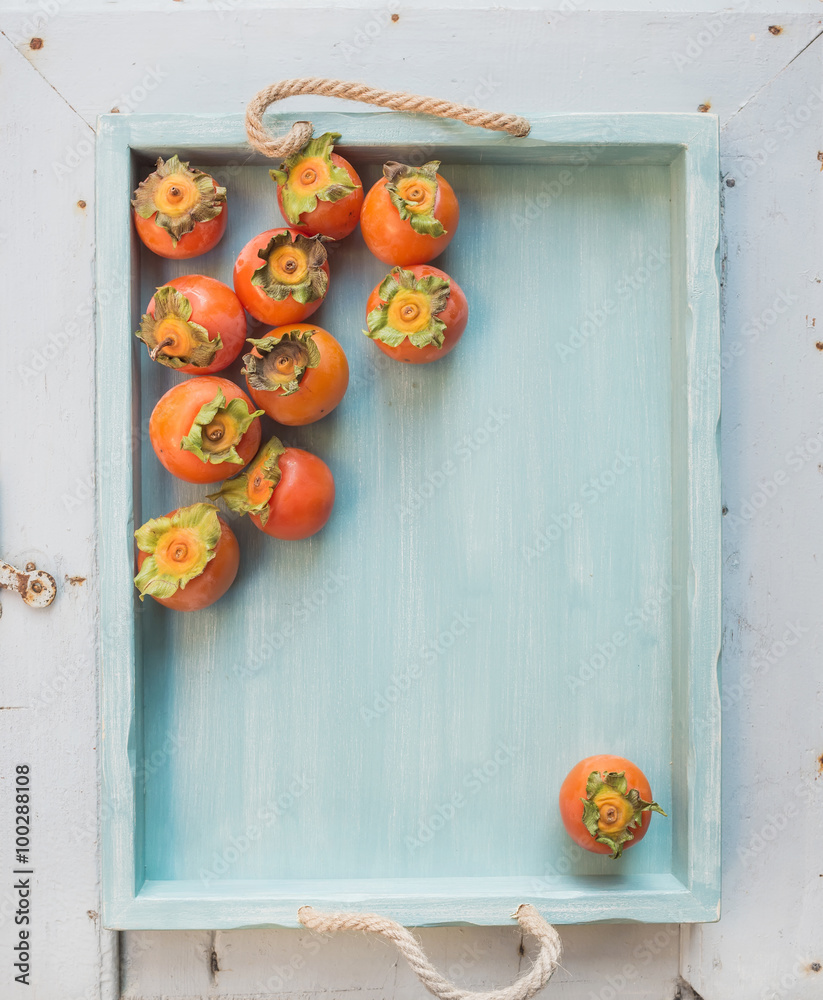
x=164, y=343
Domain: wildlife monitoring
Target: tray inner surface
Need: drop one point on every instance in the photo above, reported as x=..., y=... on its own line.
x=492, y=599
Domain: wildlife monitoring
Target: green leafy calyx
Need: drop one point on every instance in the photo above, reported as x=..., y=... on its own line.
x=310, y=175
x=292, y=265
x=179, y=548
x=170, y=335
x=413, y=192
x=218, y=429
x=611, y=810
x=250, y=492
x=285, y=357
x=410, y=308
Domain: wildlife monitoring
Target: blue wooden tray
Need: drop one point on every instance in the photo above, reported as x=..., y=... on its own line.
x=522, y=567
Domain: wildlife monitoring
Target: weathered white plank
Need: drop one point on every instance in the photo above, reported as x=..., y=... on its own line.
x=525, y=61
x=34, y=7
x=48, y=683
x=635, y=962
x=772, y=446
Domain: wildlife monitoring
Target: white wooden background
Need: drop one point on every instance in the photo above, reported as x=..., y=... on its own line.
x=212, y=55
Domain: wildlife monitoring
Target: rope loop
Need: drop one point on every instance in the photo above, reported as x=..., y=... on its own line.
x=279, y=147
x=530, y=983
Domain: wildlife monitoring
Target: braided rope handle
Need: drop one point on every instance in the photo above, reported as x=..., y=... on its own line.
x=279, y=147
x=547, y=960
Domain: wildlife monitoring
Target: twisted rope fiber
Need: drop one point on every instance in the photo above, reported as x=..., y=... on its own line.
x=527, y=916
x=279, y=147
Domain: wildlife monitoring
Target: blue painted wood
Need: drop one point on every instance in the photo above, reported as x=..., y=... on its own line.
x=522, y=567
